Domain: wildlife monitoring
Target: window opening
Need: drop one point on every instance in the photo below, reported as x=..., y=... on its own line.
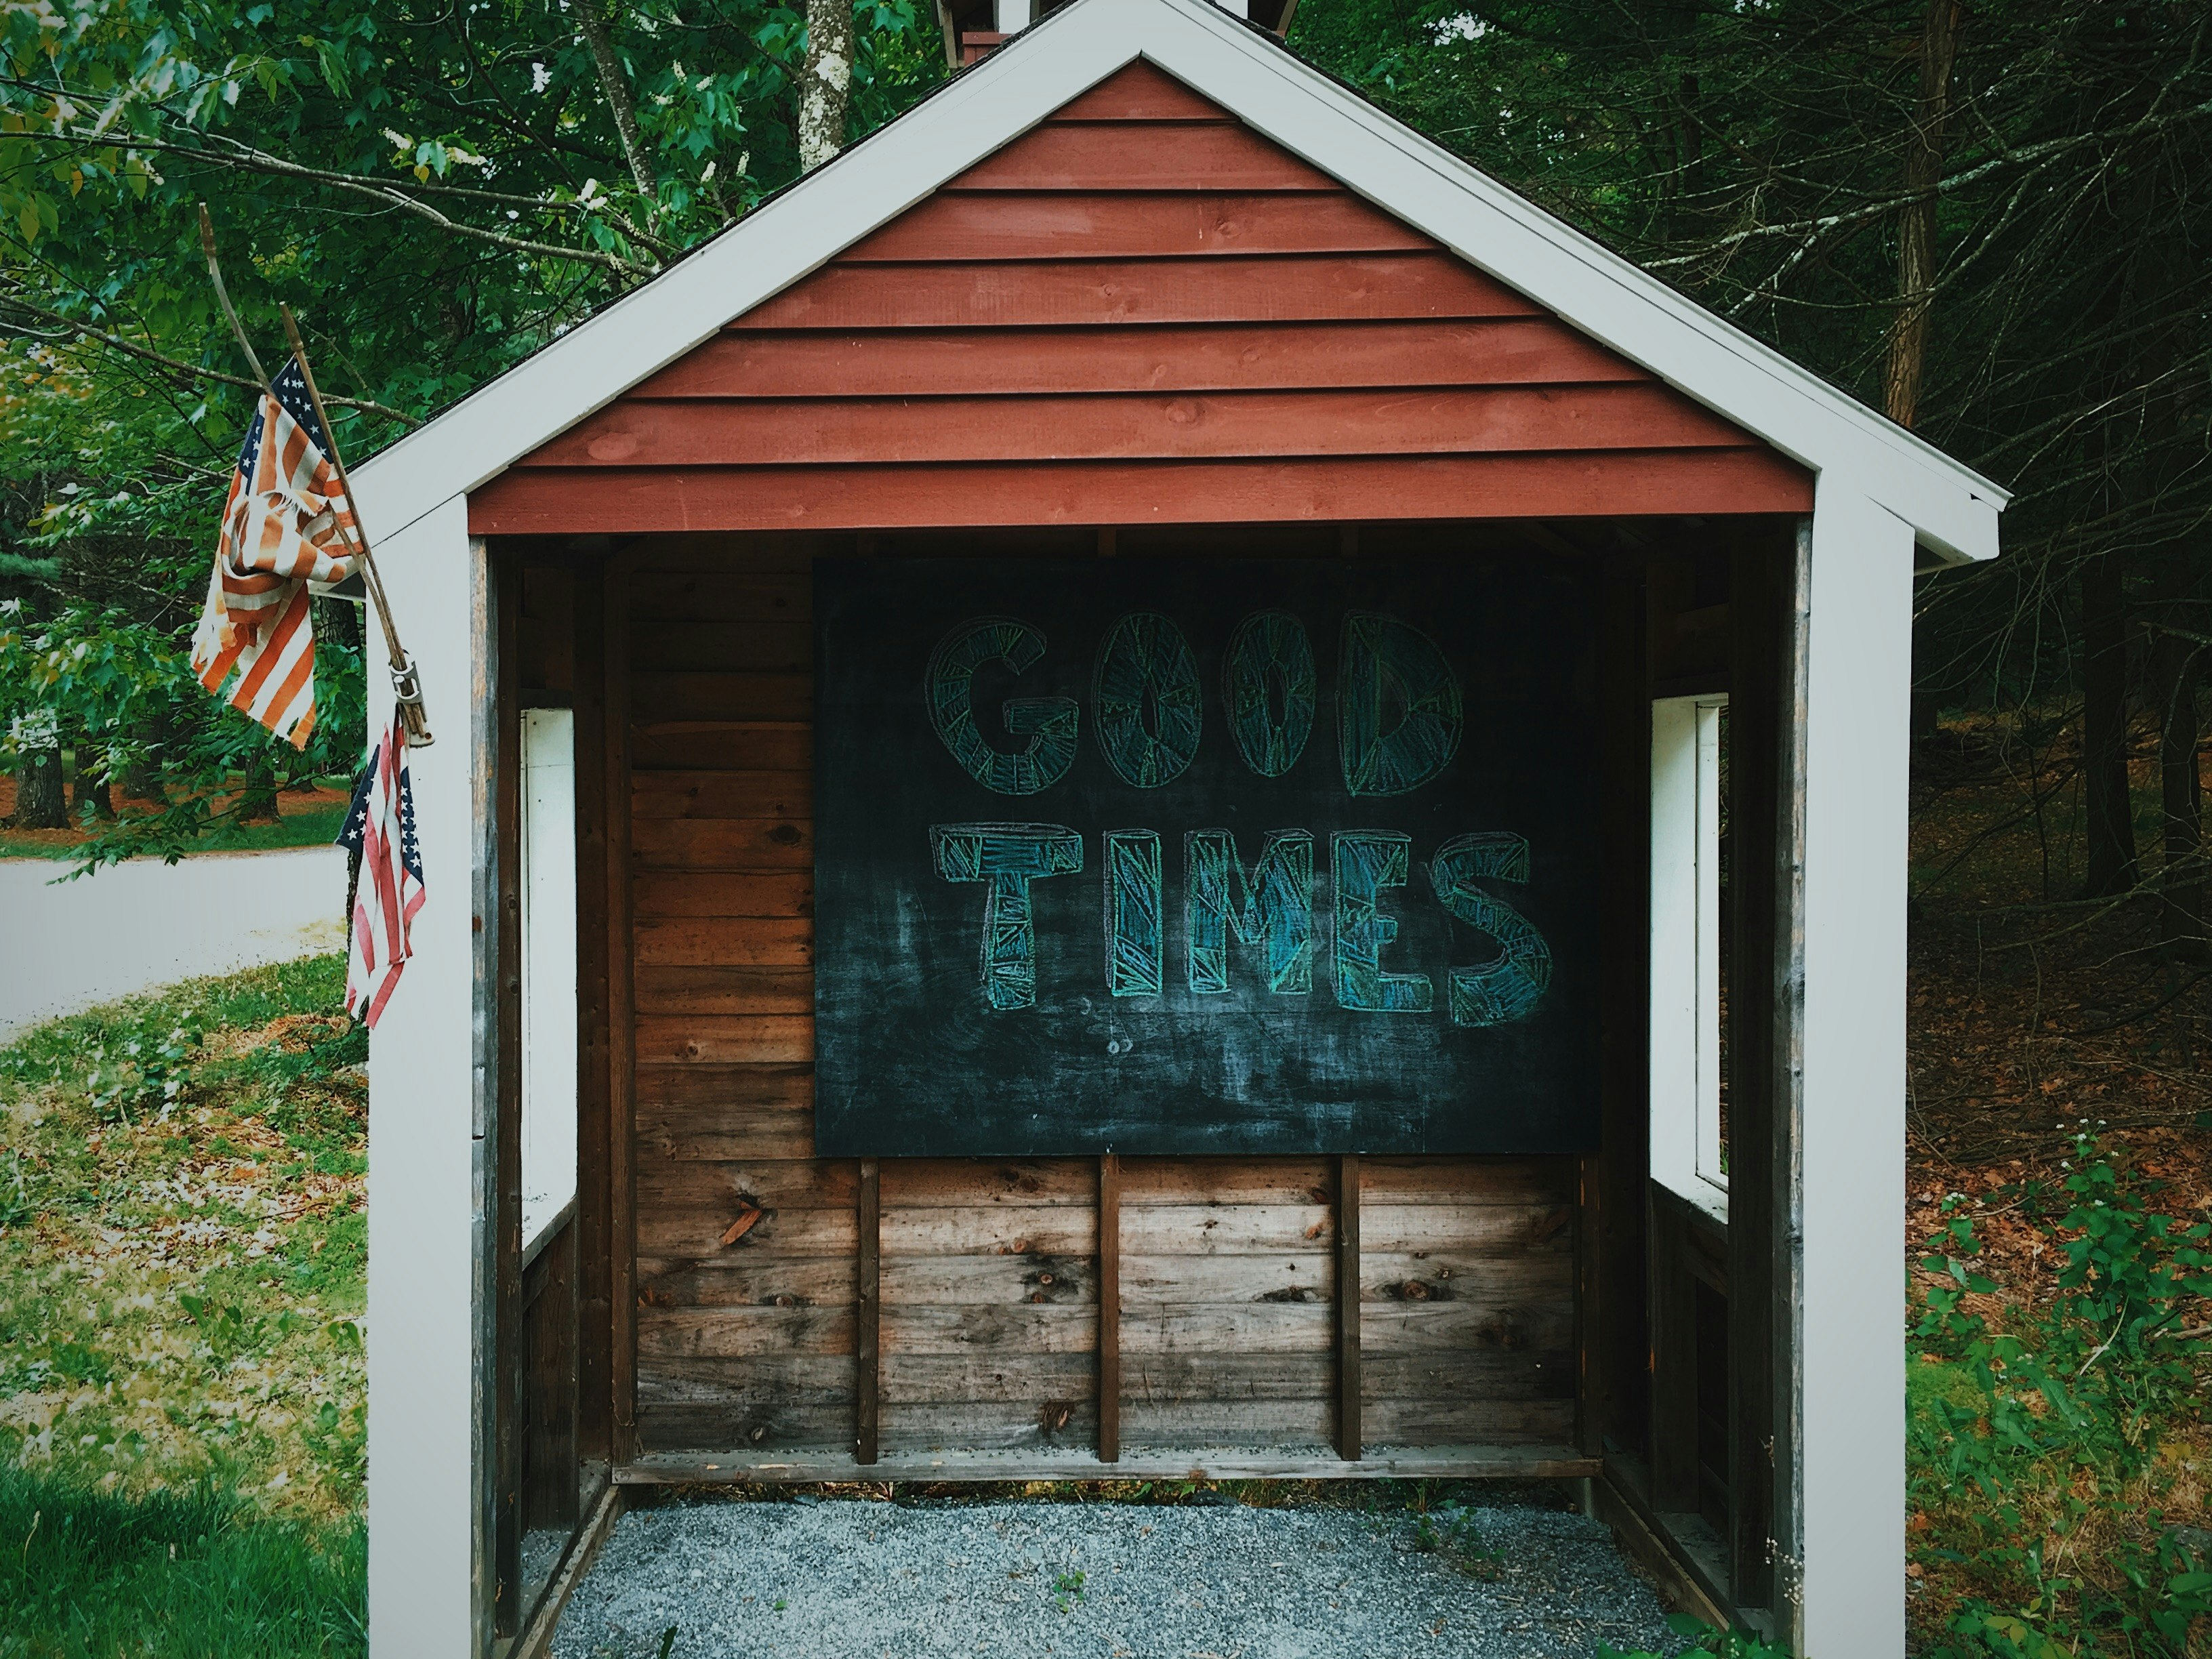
x=1689, y=948
x=549, y=969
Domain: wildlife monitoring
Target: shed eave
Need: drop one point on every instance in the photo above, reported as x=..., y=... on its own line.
x=1951, y=510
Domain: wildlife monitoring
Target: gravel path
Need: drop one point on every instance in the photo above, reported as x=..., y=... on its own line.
x=850, y=1579
x=145, y=923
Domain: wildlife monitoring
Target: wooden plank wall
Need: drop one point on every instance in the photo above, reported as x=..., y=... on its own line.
x=748, y=1246
x=1142, y=312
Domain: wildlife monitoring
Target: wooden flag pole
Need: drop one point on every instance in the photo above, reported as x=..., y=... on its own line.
x=406, y=680
x=222, y=298
x=406, y=683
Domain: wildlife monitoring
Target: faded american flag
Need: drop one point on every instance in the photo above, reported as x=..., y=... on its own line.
x=387, y=890
x=283, y=537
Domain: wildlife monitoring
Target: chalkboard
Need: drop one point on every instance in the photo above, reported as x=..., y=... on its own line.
x=1205, y=857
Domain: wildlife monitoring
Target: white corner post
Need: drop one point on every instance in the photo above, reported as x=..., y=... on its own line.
x=424, y=1415
x=1848, y=1372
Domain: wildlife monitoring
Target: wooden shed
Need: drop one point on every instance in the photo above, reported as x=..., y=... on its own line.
x=1155, y=786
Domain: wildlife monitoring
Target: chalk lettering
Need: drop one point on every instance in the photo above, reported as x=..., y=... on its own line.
x=1136, y=946
x=1006, y=857
x=1145, y=699
x=1270, y=650
x=1276, y=913
x=1363, y=863
x=1049, y=723
x=1497, y=993
x=1386, y=665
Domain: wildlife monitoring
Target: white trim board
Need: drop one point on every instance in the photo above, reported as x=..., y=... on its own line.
x=1951, y=510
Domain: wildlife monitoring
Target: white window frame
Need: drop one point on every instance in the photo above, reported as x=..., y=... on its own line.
x=549, y=969
x=1685, y=949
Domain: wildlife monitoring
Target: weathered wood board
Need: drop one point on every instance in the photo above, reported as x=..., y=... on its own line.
x=987, y=1270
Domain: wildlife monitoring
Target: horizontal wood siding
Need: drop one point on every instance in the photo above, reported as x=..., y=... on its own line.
x=1139, y=313
x=747, y=1245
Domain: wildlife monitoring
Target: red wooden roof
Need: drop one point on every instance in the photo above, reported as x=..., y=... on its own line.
x=1139, y=312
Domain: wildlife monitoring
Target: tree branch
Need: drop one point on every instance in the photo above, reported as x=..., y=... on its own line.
x=178, y=366
x=251, y=160
x=616, y=85
x=1812, y=229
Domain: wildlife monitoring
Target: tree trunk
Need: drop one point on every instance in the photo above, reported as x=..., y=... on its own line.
x=142, y=778
x=2104, y=729
x=40, y=801
x=620, y=103
x=826, y=82
x=257, y=803
x=1916, y=230
x=90, y=788
x=2173, y=664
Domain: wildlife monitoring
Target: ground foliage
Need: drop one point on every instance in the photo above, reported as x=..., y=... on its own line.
x=183, y=1254
x=188, y=1574
x=182, y=1243
x=2060, y=1222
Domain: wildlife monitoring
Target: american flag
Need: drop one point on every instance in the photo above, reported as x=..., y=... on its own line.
x=379, y=833
x=282, y=536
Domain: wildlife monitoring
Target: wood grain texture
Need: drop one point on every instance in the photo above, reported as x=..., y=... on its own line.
x=1109, y=1309
x=1533, y=1461
x=714, y=989
x=867, y=1308
x=1349, y=1314
x=1132, y=224
x=1045, y=293
x=762, y=1039
x=595, y=1081
x=622, y=1029
x=1126, y=156
x=765, y=697
x=763, y=893
x=735, y=746
x=1142, y=92
x=995, y=1329
x=724, y=795
x=726, y=941
x=1009, y=361
x=762, y=844
x=1122, y=426
x=962, y=1184
x=703, y=1090
x=975, y=494
x=1176, y=288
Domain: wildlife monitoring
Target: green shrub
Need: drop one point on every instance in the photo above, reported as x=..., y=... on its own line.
x=2035, y=1464
x=1703, y=1639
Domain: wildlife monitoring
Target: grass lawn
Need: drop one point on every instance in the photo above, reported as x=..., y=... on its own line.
x=183, y=1253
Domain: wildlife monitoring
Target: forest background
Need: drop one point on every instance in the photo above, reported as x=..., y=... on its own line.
x=1990, y=221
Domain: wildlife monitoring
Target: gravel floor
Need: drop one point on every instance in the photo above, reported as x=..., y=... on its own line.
x=852, y=1579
